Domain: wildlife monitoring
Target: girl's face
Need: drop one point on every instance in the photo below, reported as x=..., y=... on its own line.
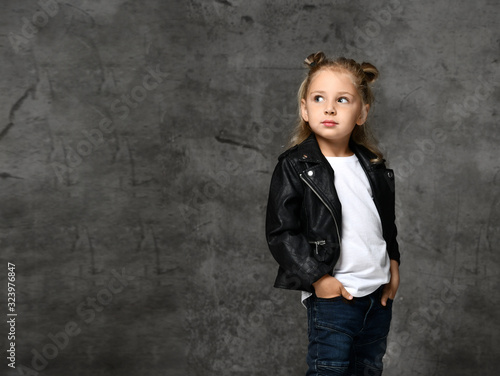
x=332, y=108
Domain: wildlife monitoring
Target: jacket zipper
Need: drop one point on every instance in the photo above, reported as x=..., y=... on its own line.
x=318, y=242
x=329, y=209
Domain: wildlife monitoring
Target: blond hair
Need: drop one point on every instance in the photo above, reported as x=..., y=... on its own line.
x=362, y=75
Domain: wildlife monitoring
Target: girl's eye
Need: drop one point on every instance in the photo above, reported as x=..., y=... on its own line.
x=318, y=98
x=343, y=100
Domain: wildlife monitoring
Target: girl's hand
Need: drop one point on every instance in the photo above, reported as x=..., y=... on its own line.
x=330, y=287
x=390, y=289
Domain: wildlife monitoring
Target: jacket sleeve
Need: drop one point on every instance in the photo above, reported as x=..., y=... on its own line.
x=393, y=246
x=284, y=232
x=392, y=243
x=391, y=239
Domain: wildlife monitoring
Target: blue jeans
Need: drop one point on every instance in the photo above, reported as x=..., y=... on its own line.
x=347, y=337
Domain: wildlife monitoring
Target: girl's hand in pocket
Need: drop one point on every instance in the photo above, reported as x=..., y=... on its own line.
x=390, y=289
x=330, y=287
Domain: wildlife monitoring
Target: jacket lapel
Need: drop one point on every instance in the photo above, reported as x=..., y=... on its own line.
x=319, y=174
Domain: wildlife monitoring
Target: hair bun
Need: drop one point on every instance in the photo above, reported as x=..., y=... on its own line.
x=315, y=59
x=371, y=73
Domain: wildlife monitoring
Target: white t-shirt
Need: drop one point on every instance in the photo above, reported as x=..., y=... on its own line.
x=364, y=263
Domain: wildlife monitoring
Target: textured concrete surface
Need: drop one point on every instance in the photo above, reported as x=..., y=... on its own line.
x=136, y=146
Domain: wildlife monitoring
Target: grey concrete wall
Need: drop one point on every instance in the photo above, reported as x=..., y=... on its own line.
x=137, y=142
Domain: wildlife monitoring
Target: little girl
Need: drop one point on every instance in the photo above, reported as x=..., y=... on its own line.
x=330, y=221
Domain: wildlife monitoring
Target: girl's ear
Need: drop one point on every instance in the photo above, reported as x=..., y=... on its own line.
x=364, y=114
x=303, y=110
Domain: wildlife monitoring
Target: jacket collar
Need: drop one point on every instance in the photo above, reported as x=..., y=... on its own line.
x=309, y=151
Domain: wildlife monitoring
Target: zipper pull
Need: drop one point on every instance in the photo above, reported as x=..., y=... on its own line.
x=319, y=242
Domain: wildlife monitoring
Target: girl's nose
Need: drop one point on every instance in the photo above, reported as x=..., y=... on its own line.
x=329, y=111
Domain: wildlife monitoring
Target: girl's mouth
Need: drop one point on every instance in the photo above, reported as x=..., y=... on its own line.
x=329, y=123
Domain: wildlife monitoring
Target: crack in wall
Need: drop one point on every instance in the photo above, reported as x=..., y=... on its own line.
x=15, y=107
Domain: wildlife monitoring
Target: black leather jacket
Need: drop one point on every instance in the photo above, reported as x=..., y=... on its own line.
x=304, y=221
